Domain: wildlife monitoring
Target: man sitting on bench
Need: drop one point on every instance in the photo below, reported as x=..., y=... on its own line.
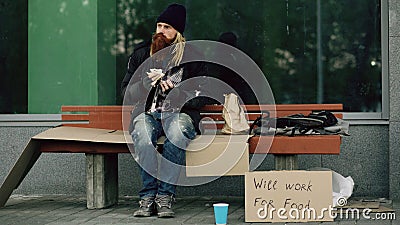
x=153, y=84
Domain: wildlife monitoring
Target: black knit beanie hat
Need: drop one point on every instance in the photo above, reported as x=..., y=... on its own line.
x=174, y=15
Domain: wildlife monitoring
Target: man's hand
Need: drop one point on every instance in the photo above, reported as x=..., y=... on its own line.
x=152, y=77
x=166, y=85
x=156, y=74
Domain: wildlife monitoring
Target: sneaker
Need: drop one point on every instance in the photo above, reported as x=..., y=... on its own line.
x=164, y=206
x=146, y=207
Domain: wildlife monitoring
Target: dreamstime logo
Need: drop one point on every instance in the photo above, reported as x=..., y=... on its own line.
x=294, y=213
x=210, y=52
x=309, y=213
x=341, y=201
x=356, y=213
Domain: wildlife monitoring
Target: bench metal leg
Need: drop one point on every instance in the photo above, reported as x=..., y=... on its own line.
x=20, y=169
x=101, y=180
x=286, y=162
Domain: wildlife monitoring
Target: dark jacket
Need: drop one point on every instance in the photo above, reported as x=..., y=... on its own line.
x=134, y=93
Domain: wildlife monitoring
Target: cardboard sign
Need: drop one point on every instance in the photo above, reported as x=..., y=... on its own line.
x=288, y=196
x=217, y=155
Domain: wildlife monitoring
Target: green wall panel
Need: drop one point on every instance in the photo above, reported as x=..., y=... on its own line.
x=63, y=59
x=106, y=34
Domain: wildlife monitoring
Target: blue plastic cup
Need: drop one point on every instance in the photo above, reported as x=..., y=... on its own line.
x=221, y=213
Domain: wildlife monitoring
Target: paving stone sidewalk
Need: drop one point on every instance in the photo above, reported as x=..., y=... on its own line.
x=66, y=209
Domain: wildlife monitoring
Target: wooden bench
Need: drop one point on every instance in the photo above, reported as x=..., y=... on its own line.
x=102, y=158
x=109, y=117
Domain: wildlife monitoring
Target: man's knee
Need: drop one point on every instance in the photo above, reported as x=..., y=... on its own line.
x=143, y=132
x=138, y=122
x=181, y=128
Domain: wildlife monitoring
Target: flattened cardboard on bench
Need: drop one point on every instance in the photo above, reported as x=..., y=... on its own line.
x=210, y=155
x=274, y=196
x=83, y=134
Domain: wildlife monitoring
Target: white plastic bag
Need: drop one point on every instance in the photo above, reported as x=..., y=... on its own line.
x=342, y=187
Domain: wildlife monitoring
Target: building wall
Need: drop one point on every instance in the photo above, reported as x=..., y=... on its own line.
x=394, y=82
x=364, y=157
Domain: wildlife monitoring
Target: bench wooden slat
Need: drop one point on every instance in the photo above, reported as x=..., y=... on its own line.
x=251, y=117
x=75, y=117
x=107, y=108
x=67, y=146
x=218, y=117
x=85, y=125
x=309, y=144
x=281, y=107
x=275, y=110
x=106, y=120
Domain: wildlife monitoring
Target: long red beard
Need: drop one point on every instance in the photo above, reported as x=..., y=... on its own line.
x=159, y=42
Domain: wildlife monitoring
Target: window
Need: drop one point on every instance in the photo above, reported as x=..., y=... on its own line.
x=13, y=56
x=311, y=51
x=318, y=51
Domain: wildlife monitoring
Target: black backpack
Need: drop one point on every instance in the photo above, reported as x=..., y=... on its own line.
x=315, y=121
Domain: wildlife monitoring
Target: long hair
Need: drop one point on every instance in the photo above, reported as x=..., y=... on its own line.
x=179, y=47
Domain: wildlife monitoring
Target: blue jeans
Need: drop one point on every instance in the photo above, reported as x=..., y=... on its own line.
x=160, y=177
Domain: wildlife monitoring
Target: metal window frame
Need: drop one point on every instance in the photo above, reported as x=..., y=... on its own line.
x=30, y=120
x=385, y=58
